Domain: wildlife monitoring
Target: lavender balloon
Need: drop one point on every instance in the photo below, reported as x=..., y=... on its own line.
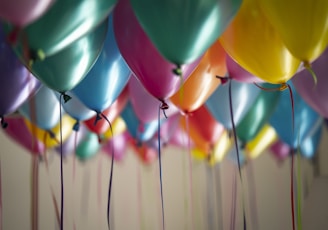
x=17, y=84
x=316, y=95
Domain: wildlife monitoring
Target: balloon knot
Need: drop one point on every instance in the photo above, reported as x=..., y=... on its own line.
x=76, y=126
x=4, y=124
x=307, y=65
x=283, y=86
x=66, y=97
x=177, y=71
x=243, y=145
x=13, y=36
x=164, y=106
x=97, y=118
x=223, y=80
x=51, y=134
x=100, y=139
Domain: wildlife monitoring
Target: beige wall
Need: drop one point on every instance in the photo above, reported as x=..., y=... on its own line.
x=136, y=205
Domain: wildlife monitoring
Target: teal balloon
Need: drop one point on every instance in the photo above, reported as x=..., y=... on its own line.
x=43, y=109
x=138, y=130
x=259, y=114
x=306, y=120
x=64, y=23
x=64, y=70
x=107, y=78
x=243, y=97
x=183, y=30
x=88, y=147
x=310, y=145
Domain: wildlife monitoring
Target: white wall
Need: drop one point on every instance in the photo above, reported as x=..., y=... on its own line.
x=136, y=200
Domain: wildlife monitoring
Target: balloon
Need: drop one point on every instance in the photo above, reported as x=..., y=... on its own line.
x=306, y=120
x=101, y=126
x=221, y=148
x=107, y=78
x=316, y=95
x=183, y=30
x=23, y=12
x=310, y=145
x=88, y=147
x=263, y=140
x=75, y=108
x=120, y=145
x=259, y=114
x=280, y=150
x=252, y=41
x=202, y=82
x=17, y=84
x=64, y=70
x=238, y=73
x=63, y=24
x=18, y=131
x=138, y=130
x=51, y=138
x=302, y=25
x=153, y=70
x=43, y=109
x=145, y=153
x=243, y=96
x=144, y=104
x=118, y=127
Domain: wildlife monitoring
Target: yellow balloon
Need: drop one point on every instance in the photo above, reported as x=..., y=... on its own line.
x=253, y=42
x=221, y=148
x=302, y=25
x=264, y=139
x=118, y=128
x=199, y=154
x=45, y=137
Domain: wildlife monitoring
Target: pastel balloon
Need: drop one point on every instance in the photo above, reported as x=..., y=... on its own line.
x=310, y=145
x=88, y=147
x=17, y=84
x=23, y=12
x=144, y=104
x=118, y=127
x=119, y=144
x=111, y=113
x=19, y=132
x=183, y=30
x=238, y=73
x=253, y=43
x=221, y=148
x=51, y=138
x=64, y=23
x=148, y=65
x=305, y=119
x=280, y=150
x=145, y=153
x=243, y=96
x=43, y=109
x=202, y=82
x=259, y=114
x=302, y=25
x=64, y=70
x=107, y=78
x=315, y=95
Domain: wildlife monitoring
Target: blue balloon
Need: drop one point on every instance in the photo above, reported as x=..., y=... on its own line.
x=45, y=109
x=243, y=96
x=106, y=79
x=75, y=108
x=138, y=130
x=305, y=119
x=232, y=154
x=310, y=145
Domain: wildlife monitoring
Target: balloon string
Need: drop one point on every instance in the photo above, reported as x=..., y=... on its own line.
x=35, y=188
x=160, y=164
x=299, y=191
x=237, y=149
x=233, y=203
x=74, y=175
x=1, y=219
x=252, y=195
x=190, y=174
x=111, y=169
x=61, y=166
x=139, y=186
x=308, y=67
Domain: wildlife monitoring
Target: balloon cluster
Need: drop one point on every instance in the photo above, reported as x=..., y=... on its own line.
x=71, y=67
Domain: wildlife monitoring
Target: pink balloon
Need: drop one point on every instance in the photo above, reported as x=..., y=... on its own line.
x=280, y=150
x=144, y=104
x=154, y=72
x=315, y=95
x=23, y=12
x=18, y=132
x=120, y=144
x=238, y=73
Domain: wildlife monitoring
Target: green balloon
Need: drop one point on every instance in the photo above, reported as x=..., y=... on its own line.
x=259, y=113
x=64, y=70
x=88, y=147
x=65, y=22
x=183, y=30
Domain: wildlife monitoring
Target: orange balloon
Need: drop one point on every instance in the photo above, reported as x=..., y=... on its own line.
x=202, y=82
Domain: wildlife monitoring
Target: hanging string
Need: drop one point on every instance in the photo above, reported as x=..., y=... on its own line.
x=308, y=67
x=35, y=191
x=299, y=189
x=160, y=163
x=252, y=195
x=74, y=174
x=1, y=220
x=233, y=203
x=61, y=165
x=139, y=192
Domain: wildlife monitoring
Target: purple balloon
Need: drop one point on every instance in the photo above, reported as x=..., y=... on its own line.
x=315, y=95
x=238, y=73
x=17, y=83
x=120, y=144
x=280, y=150
x=18, y=131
